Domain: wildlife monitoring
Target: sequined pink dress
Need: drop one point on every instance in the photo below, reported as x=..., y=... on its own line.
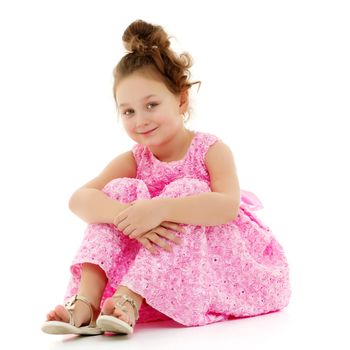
x=218, y=272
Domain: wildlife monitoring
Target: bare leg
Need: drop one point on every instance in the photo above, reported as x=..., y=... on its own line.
x=110, y=308
x=92, y=284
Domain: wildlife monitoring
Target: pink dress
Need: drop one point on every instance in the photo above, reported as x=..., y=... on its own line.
x=219, y=272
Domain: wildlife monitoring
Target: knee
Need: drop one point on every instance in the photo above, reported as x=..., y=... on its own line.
x=126, y=189
x=185, y=186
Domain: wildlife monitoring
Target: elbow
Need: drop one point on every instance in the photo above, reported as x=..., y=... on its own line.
x=70, y=204
x=233, y=210
x=72, y=201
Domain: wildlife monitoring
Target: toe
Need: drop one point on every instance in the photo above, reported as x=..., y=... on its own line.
x=110, y=308
x=61, y=313
x=52, y=316
x=121, y=315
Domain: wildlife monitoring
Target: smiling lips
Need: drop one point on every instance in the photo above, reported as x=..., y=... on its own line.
x=147, y=132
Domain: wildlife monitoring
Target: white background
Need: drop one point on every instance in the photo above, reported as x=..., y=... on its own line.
x=275, y=87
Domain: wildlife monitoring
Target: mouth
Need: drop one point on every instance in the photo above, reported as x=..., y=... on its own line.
x=147, y=132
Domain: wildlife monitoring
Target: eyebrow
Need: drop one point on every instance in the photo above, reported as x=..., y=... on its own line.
x=145, y=98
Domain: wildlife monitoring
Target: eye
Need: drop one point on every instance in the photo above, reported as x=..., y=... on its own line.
x=151, y=105
x=128, y=112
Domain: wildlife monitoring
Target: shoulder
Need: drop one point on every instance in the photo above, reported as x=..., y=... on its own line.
x=218, y=152
x=203, y=142
x=121, y=166
x=206, y=139
x=222, y=170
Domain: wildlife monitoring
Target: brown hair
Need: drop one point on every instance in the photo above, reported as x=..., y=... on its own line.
x=148, y=47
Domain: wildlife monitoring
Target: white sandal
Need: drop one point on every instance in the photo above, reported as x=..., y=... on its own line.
x=60, y=327
x=113, y=324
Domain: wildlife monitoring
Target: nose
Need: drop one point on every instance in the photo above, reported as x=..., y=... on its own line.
x=141, y=120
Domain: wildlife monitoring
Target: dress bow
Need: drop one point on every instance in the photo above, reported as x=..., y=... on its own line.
x=250, y=200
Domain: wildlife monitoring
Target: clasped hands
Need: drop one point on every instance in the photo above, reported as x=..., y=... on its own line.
x=143, y=220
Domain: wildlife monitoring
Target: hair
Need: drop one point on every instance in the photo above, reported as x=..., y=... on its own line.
x=149, y=49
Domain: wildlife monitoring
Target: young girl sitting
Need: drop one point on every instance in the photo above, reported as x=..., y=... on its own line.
x=170, y=234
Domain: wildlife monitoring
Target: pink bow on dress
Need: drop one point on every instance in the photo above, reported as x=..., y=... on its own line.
x=250, y=200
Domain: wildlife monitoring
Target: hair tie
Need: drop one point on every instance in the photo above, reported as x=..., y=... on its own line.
x=146, y=49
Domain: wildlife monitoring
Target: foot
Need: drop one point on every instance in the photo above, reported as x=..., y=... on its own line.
x=111, y=308
x=81, y=314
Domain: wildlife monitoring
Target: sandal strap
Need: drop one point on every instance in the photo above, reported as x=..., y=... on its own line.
x=70, y=306
x=130, y=300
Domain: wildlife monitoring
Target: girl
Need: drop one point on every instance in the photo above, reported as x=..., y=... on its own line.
x=176, y=189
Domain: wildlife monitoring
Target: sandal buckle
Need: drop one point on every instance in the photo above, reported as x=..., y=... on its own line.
x=70, y=302
x=131, y=301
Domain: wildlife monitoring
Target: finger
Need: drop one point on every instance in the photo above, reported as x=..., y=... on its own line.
x=168, y=235
x=135, y=233
x=127, y=230
x=148, y=245
x=172, y=225
x=153, y=236
x=122, y=226
x=120, y=217
x=168, y=224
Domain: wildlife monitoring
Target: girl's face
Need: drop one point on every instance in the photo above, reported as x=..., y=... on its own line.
x=151, y=114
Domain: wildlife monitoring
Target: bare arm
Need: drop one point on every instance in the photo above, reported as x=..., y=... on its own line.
x=94, y=206
x=219, y=206
x=208, y=209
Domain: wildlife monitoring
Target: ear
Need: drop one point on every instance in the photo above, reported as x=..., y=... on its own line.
x=183, y=101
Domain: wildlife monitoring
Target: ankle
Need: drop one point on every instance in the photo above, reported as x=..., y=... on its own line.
x=81, y=313
x=125, y=290
x=93, y=299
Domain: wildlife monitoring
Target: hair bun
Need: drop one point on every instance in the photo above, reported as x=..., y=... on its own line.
x=142, y=37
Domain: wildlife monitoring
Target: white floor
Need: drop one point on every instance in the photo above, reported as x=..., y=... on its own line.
x=291, y=328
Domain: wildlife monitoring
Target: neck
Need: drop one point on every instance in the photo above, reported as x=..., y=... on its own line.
x=175, y=148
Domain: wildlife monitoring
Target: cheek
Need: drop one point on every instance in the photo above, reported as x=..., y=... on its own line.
x=159, y=116
x=129, y=128
x=129, y=123
x=163, y=117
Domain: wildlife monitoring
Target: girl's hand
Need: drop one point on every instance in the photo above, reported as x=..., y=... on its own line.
x=154, y=236
x=141, y=216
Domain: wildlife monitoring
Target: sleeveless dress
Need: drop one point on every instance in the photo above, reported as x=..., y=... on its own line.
x=217, y=273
